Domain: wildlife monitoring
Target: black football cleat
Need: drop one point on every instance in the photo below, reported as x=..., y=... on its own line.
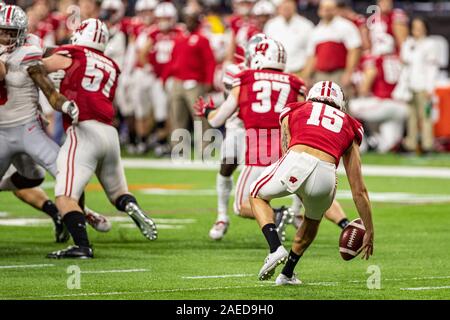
x=72, y=252
x=62, y=235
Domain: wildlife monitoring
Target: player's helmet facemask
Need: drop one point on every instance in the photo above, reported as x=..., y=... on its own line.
x=13, y=28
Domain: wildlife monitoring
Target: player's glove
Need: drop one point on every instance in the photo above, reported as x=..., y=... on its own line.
x=203, y=108
x=71, y=109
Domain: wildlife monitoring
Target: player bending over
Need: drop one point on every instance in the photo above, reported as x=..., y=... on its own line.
x=315, y=135
x=92, y=145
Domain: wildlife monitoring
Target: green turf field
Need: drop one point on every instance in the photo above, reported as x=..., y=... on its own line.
x=411, y=246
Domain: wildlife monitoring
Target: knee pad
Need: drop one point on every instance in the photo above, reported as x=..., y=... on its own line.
x=21, y=182
x=123, y=200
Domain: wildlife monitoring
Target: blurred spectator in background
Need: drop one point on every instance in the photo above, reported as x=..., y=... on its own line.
x=242, y=29
x=346, y=11
x=375, y=105
x=420, y=56
x=192, y=77
x=389, y=20
x=293, y=31
x=155, y=56
x=262, y=12
x=334, y=48
x=89, y=8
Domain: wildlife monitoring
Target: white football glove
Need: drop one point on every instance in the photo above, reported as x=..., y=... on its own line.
x=57, y=77
x=71, y=109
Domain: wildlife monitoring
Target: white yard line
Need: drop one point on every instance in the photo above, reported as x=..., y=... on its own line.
x=4, y=214
x=116, y=293
x=114, y=271
x=220, y=276
x=27, y=266
x=425, y=288
x=368, y=170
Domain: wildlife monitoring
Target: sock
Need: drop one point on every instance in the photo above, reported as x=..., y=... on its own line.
x=224, y=185
x=50, y=209
x=343, y=223
x=291, y=262
x=76, y=224
x=123, y=200
x=270, y=232
x=296, y=205
x=132, y=137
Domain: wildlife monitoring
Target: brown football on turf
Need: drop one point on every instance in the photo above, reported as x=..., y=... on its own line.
x=351, y=239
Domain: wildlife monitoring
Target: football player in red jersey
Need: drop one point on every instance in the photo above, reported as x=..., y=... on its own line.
x=375, y=103
x=92, y=144
x=154, y=57
x=258, y=94
x=315, y=135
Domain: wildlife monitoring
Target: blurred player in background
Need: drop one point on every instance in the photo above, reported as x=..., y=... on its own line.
x=155, y=46
x=92, y=145
x=315, y=135
x=375, y=104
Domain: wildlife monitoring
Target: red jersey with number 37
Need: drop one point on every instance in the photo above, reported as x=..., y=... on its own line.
x=322, y=127
x=91, y=82
x=262, y=96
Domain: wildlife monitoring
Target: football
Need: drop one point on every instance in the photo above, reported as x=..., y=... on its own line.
x=351, y=239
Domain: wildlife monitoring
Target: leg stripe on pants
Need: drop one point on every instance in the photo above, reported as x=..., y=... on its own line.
x=243, y=187
x=71, y=163
x=267, y=178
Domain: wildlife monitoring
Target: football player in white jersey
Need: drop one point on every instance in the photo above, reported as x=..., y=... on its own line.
x=21, y=131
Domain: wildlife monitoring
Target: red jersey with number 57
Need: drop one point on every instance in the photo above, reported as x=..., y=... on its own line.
x=322, y=127
x=91, y=82
x=262, y=96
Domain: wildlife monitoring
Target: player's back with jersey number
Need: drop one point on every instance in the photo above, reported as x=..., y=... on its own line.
x=262, y=96
x=91, y=82
x=322, y=127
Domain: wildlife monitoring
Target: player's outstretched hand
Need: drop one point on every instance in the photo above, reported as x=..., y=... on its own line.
x=71, y=109
x=367, y=247
x=202, y=108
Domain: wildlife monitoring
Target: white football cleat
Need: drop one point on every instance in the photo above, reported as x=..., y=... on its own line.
x=283, y=280
x=96, y=220
x=219, y=229
x=273, y=260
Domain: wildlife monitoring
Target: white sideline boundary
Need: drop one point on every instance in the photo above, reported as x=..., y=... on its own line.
x=425, y=288
x=368, y=170
x=114, y=271
x=243, y=275
x=26, y=266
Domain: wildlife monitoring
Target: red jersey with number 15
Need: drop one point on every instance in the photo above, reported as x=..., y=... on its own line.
x=91, y=82
x=322, y=127
x=262, y=96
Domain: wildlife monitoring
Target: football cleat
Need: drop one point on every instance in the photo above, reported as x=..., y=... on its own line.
x=283, y=280
x=273, y=260
x=62, y=235
x=72, y=252
x=144, y=223
x=218, y=230
x=282, y=218
x=97, y=221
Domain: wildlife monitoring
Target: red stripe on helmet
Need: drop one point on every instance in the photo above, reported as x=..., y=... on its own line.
x=96, y=31
x=329, y=88
x=323, y=89
x=9, y=14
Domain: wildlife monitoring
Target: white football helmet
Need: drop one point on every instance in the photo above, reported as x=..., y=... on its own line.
x=142, y=5
x=251, y=45
x=91, y=33
x=166, y=10
x=269, y=54
x=329, y=93
x=383, y=44
x=13, y=19
x=263, y=8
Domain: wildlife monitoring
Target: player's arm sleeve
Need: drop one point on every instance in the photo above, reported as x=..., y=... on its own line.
x=32, y=56
x=40, y=78
x=217, y=119
x=358, y=130
x=284, y=113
